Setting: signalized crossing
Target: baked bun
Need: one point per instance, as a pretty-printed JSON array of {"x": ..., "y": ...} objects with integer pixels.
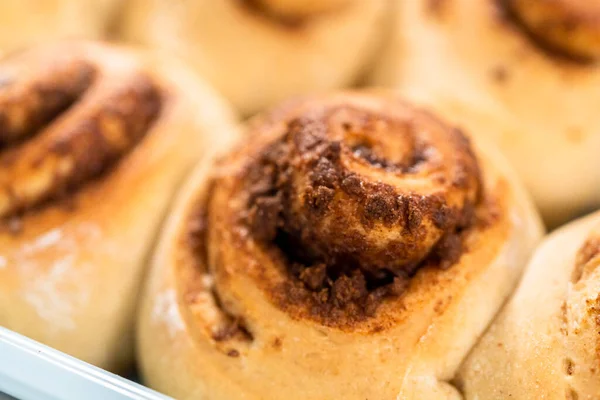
[
  {"x": 524, "y": 72},
  {"x": 544, "y": 344},
  {"x": 94, "y": 141},
  {"x": 352, "y": 247},
  {"x": 28, "y": 22},
  {"x": 258, "y": 52}
]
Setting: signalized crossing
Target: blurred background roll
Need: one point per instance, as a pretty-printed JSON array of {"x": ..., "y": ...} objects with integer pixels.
[
  {"x": 95, "y": 139},
  {"x": 524, "y": 72},
  {"x": 27, "y": 22},
  {"x": 258, "y": 52}
]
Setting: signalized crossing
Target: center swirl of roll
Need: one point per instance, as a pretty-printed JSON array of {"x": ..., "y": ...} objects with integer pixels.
[{"x": 359, "y": 199}]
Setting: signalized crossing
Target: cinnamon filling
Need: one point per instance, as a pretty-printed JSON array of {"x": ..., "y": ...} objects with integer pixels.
[
  {"x": 61, "y": 129},
  {"x": 285, "y": 21},
  {"x": 584, "y": 262},
  {"x": 291, "y": 14},
  {"x": 329, "y": 196},
  {"x": 569, "y": 29},
  {"x": 25, "y": 107},
  {"x": 229, "y": 326}
]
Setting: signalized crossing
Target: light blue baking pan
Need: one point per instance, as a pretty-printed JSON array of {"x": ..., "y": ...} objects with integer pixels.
[{"x": 32, "y": 371}]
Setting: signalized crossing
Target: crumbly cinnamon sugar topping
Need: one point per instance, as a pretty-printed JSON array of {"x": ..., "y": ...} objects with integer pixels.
[{"x": 350, "y": 237}]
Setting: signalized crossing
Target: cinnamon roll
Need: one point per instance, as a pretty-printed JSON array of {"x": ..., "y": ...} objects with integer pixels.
[
  {"x": 27, "y": 22},
  {"x": 94, "y": 140},
  {"x": 544, "y": 344},
  {"x": 524, "y": 72},
  {"x": 352, "y": 247},
  {"x": 258, "y": 52}
]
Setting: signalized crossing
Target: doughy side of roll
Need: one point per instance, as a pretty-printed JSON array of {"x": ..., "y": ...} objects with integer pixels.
[
  {"x": 95, "y": 140},
  {"x": 352, "y": 247},
  {"x": 260, "y": 52},
  {"x": 524, "y": 73},
  {"x": 544, "y": 344}
]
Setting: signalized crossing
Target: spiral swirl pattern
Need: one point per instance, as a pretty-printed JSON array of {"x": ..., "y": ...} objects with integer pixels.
[
  {"x": 344, "y": 201},
  {"x": 65, "y": 123}
]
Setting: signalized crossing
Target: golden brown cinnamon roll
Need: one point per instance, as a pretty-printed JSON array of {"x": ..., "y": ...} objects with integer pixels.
[
  {"x": 353, "y": 247},
  {"x": 544, "y": 344},
  {"x": 525, "y": 73},
  {"x": 258, "y": 52},
  {"x": 26, "y": 22},
  {"x": 94, "y": 140}
]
